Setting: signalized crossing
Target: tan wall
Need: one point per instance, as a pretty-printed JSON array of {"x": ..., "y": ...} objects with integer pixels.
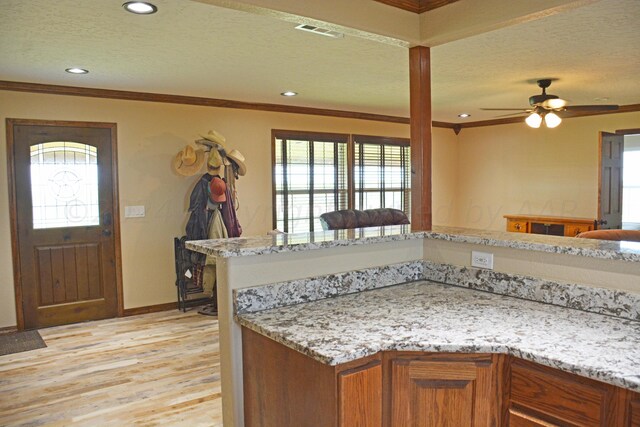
[
  {"x": 596, "y": 272},
  {"x": 513, "y": 169},
  {"x": 149, "y": 135}
]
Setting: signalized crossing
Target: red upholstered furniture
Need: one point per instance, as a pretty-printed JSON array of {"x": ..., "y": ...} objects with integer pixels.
[
  {"x": 351, "y": 218},
  {"x": 627, "y": 235}
]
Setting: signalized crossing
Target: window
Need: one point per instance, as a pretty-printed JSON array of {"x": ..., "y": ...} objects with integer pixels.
[
  {"x": 382, "y": 173},
  {"x": 314, "y": 173},
  {"x": 64, "y": 184},
  {"x": 631, "y": 187},
  {"x": 310, "y": 178}
]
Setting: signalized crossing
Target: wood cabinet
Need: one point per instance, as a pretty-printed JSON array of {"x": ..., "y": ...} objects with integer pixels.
[
  {"x": 438, "y": 390},
  {"x": 284, "y": 388},
  {"x": 541, "y": 396},
  {"x": 552, "y": 225},
  {"x": 633, "y": 410},
  {"x": 360, "y": 396}
]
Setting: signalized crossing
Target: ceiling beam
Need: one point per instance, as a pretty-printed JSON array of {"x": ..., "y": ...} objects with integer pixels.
[
  {"x": 380, "y": 23},
  {"x": 402, "y": 25},
  {"x": 467, "y": 18}
]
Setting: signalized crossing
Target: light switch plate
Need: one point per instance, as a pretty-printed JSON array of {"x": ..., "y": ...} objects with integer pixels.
[
  {"x": 482, "y": 260},
  {"x": 134, "y": 211}
]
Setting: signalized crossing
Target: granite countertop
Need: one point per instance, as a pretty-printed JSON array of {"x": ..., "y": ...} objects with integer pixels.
[
  {"x": 259, "y": 245},
  {"x": 432, "y": 317}
]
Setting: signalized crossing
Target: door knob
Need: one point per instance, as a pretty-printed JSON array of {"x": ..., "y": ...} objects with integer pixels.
[{"x": 106, "y": 232}]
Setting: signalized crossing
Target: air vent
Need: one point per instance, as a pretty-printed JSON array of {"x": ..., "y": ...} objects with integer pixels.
[{"x": 320, "y": 31}]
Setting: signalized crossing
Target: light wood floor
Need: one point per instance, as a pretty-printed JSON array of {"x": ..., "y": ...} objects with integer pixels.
[{"x": 147, "y": 370}]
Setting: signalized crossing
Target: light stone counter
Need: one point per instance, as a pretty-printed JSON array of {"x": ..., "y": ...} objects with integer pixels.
[
  {"x": 432, "y": 317},
  {"x": 249, "y": 246},
  {"x": 326, "y": 264}
]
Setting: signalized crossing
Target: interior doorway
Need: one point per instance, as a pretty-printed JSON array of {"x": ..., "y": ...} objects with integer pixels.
[
  {"x": 64, "y": 221},
  {"x": 619, "y": 180}
]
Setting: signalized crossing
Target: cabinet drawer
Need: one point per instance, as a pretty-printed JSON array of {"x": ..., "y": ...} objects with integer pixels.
[
  {"x": 519, "y": 419},
  {"x": 517, "y": 226},
  {"x": 558, "y": 396},
  {"x": 574, "y": 230}
]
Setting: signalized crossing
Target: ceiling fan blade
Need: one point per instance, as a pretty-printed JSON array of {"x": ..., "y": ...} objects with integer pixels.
[
  {"x": 554, "y": 103},
  {"x": 521, "y": 113},
  {"x": 505, "y": 109},
  {"x": 577, "y": 108}
]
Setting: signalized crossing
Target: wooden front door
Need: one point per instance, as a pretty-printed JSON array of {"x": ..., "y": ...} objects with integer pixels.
[
  {"x": 64, "y": 221},
  {"x": 610, "y": 181}
]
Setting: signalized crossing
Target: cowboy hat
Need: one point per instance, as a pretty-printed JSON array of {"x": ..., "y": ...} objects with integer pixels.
[
  {"x": 188, "y": 161},
  {"x": 236, "y": 157},
  {"x": 215, "y": 160},
  {"x": 214, "y": 137}
]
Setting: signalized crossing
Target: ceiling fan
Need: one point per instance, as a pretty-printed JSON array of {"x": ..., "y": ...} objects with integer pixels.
[{"x": 550, "y": 108}]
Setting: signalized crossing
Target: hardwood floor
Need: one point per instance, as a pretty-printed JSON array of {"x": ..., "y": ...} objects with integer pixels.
[{"x": 153, "y": 369}]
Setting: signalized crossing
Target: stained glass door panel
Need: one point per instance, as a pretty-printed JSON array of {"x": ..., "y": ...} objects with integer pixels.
[{"x": 64, "y": 184}]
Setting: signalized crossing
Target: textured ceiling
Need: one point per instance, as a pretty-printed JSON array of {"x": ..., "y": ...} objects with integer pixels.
[{"x": 191, "y": 48}]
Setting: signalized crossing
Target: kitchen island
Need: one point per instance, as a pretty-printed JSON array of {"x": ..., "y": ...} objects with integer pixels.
[
  {"x": 432, "y": 341},
  {"x": 271, "y": 272}
]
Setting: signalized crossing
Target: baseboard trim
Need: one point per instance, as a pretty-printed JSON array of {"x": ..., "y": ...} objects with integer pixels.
[
  {"x": 150, "y": 309},
  {"x": 8, "y": 329}
]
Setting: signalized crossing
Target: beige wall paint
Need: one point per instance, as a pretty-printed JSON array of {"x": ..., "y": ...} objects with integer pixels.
[
  {"x": 513, "y": 169},
  {"x": 444, "y": 171},
  {"x": 149, "y": 135},
  {"x": 595, "y": 272}
]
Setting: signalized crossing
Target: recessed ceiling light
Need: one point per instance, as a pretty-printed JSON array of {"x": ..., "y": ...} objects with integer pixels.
[
  {"x": 75, "y": 70},
  {"x": 289, "y": 93},
  {"x": 140, "y": 7},
  {"x": 464, "y": 115}
]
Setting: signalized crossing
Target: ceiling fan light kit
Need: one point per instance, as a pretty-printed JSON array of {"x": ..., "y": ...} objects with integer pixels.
[
  {"x": 550, "y": 108},
  {"x": 534, "y": 120},
  {"x": 552, "y": 120}
]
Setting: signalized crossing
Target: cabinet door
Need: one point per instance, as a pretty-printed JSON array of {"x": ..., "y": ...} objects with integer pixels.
[
  {"x": 442, "y": 393},
  {"x": 360, "y": 396},
  {"x": 633, "y": 418}
]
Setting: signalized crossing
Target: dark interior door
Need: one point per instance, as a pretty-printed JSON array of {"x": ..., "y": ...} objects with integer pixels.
[
  {"x": 64, "y": 214},
  {"x": 610, "y": 183}
]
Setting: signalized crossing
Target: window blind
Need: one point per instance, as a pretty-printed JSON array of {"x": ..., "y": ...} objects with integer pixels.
[
  {"x": 310, "y": 178},
  {"x": 382, "y": 173}
]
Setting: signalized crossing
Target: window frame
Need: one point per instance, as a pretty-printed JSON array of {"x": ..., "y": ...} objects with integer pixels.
[
  {"x": 305, "y": 136},
  {"x": 382, "y": 141},
  {"x": 351, "y": 141}
]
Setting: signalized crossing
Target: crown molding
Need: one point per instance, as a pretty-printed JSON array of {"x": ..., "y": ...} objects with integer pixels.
[
  {"x": 191, "y": 100},
  {"x": 225, "y": 103}
]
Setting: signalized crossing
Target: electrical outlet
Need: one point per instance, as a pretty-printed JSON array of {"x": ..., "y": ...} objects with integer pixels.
[{"x": 482, "y": 260}]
